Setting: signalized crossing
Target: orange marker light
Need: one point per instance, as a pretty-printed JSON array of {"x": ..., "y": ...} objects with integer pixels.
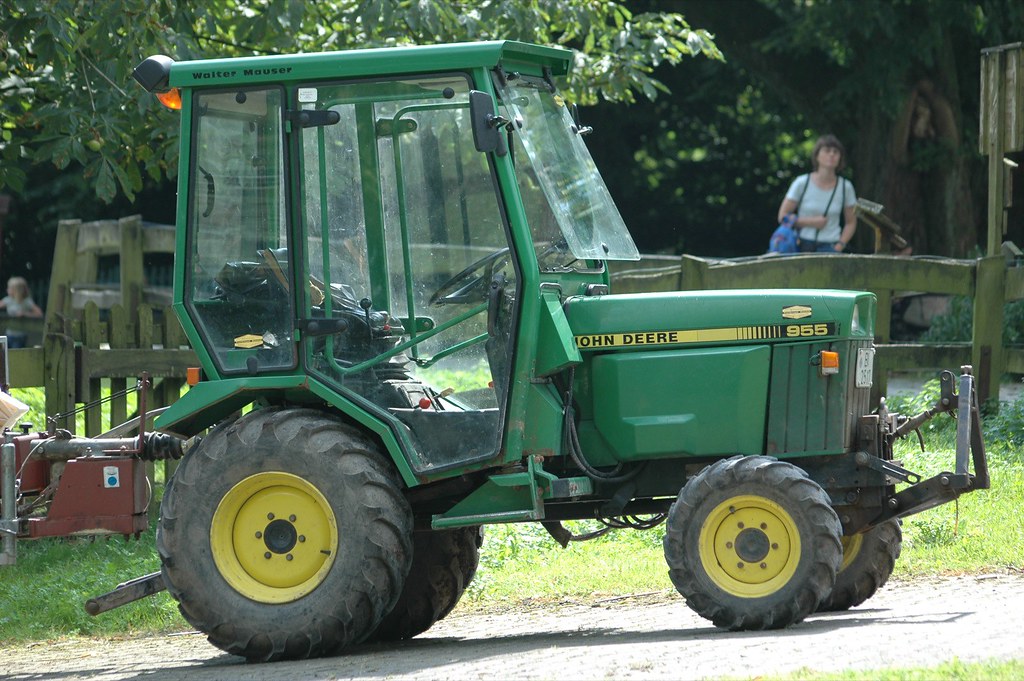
[
  {"x": 192, "y": 376},
  {"x": 171, "y": 99},
  {"x": 829, "y": 363}
]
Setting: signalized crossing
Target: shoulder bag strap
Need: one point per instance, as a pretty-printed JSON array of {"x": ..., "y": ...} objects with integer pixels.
[
  {"x": 832, "y": 196},
  {"x": 802, "y": 192},
  {"x": 842, "y": 205}
]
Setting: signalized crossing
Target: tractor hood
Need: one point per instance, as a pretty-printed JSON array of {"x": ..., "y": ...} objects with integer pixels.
[{"x": 718, "y": 317}]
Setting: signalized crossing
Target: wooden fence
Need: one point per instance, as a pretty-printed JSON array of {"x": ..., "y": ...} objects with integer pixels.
[
  {"x": 989, "y": 281},
  {"x": 79, "y": 355},
  {"x": 97, "y": 336}
]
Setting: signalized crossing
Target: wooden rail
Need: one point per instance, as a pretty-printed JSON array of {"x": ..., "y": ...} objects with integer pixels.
[{"x": 990, "y": 281}]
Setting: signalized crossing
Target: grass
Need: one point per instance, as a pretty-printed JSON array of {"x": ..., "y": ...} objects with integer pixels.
[
  {"x": 35, "y": 398},
  {"x": 954, "y": 670},
  {"x": 41, "y": 597}
]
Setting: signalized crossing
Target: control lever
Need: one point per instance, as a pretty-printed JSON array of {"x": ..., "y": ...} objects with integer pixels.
[{"x": 366, "y": 304}]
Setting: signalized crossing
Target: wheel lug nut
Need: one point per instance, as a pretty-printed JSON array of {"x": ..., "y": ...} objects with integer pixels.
[
  {"x": 739, "y": 565},
  {"x": 270, "y": 516},
  {"x": 764, "y": 526},
  {"x": 292, "y": 517},
  {"x": 302, "y": 537},
  {"x": 267, "y": 555},
  {"x": 259, "y": 535},
  {"x": 288, "y": 557},
  {"x": 739, "y": 525},
  {"x": 775, "y": 547},
  {"x": 764, "y": 566}
]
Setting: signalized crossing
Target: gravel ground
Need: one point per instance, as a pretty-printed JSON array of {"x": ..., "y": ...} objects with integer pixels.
[{"x": 646, "y": 636}]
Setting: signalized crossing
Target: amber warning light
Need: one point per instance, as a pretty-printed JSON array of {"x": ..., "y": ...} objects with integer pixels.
[
  {"x": 171, "y": 99},
  {"x": 829, "y": 363}
]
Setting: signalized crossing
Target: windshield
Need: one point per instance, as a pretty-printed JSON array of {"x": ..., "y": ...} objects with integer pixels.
[{"x": 566, "y": 200}]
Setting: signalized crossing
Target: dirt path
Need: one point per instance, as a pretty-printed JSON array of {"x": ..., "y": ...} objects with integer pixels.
[{"x": 656, "y": 636}]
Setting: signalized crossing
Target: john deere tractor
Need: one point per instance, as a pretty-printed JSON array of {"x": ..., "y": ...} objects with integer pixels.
[{"x": 393, "y": 265}]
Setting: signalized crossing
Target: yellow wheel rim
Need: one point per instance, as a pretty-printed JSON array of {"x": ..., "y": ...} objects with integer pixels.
[
  {"x": 274, "y": 537},
  {"x": 749, "y": 546},
  {"x": 851, "y": 547}
]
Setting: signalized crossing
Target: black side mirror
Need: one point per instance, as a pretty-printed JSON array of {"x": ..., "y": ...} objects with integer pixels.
[{"x": 486, "y": 124}]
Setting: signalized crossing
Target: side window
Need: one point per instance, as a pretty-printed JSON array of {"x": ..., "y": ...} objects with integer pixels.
[{"x": 237, "y": 290}]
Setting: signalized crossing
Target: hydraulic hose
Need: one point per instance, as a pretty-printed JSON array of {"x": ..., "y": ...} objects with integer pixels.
[{"x": 571, "y": 444}]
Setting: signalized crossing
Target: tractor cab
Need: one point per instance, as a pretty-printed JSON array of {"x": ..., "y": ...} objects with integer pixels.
[{"x": 356, "y": 231}]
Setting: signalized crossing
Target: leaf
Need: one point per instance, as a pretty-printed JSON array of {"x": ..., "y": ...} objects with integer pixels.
[{"x": 106, "y": 189}]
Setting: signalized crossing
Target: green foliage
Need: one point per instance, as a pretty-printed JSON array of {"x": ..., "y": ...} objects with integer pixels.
[
  {"x": 941, "y": 429},
  {"x": 67, "y": 98},
  {"x": 808, "y": 68},
  {"x": 1004, "y": 431},
  {"x": 955, "y": 325},
  {"x": 1003, "y": 428}
]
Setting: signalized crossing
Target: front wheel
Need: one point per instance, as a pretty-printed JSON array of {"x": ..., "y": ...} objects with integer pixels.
[
  {"x": 868, "y": 561},
  {"x": 284, "y": 535},
  {"x": 753, "y": 543}
]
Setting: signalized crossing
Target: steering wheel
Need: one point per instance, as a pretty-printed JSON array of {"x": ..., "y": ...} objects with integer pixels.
[{"x": 469, "y": 286}]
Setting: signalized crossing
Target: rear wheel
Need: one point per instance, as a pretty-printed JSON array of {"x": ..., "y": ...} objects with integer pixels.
[
  {"x": 443, "y": 565},
  {"x": 284, "y": 535},
  {"x": 753, "y": 543},
  {"x": 868, "y": 561}
]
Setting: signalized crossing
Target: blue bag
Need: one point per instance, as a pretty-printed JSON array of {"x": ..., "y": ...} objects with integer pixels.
[{"x": 784, "y": 239}]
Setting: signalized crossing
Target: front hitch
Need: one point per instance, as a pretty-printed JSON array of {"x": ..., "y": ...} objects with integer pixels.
[{"x": 970, "y": 448}]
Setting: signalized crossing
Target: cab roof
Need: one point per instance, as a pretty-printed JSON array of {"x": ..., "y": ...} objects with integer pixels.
[{"x": 160, "y": 72}]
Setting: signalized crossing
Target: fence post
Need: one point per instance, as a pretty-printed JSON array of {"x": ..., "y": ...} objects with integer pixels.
[
  {"x": 693, "y": 273},
  {"x": 120, "y": 335},
  {"x": 1002, "y": 129},
  {"x": 132, "y": 274},
  {"x": 987, "y": 354},
  {"x": 92, "y": 388},
  {"x": 65, "y": 248},
  {"x": 173, "y": 338},
  {"x": 59, "y": 375}
]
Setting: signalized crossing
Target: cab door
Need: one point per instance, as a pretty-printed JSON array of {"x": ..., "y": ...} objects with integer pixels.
[{"x": 411, "y": 296}]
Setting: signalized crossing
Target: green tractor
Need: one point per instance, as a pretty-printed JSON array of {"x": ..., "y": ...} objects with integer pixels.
[{"x": 393, "y": 266}]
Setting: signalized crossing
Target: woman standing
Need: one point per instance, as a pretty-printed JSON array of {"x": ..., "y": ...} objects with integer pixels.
[{"x": 823, "y": 201}]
